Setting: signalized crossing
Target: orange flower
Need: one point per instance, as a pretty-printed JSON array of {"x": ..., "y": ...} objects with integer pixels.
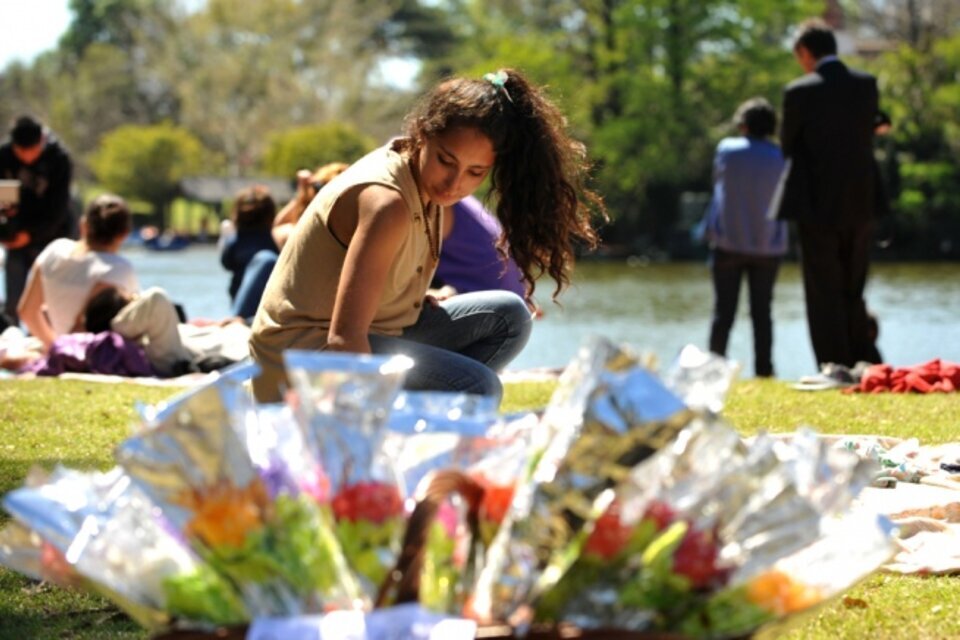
[
  {"x": 778, "y": 593},
  {"x": 225, "y": 514}
]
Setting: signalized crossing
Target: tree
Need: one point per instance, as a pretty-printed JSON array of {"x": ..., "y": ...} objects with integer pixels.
[
  {"x": 242, "y": 70},
  {"x": 147, "y": 163},
  {"x": 918, "y": 87},
  {"x": 649, "y": 84},
  {"x": 310, "y": 146}
]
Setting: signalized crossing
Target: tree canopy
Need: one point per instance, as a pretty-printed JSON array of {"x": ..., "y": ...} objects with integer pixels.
[{"x": 649, "y": 85}]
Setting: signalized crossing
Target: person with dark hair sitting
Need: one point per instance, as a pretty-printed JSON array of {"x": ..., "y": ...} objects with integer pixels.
[
  {"x": 253, "y": 213},
  {"x": 743, "y": 240},
  {"x": 259, "y": 232},
  {"x": 66, "y": 271}
]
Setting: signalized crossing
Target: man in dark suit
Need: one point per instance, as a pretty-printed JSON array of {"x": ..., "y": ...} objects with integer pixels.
[{"x": 831, "y": 191}]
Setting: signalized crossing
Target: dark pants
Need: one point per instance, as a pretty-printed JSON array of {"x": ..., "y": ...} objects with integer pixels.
[
  {"x": 728, "y": 269},
  {"x": 835, "y": 261},
  {"x": 16, "y": 269}
]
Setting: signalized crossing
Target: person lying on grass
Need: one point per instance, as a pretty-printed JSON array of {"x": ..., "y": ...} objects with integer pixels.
[{"x": 171, "y": 346}]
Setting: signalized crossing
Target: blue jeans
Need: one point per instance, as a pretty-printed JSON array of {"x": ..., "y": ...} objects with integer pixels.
[
  {"x": 728, "y": 269},
  {"x": 462, "y": 343},
  {"x": 254, "y": 281}
]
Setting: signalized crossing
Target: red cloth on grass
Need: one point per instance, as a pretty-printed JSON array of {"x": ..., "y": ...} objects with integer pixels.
[{"x": 930, "y": 377}]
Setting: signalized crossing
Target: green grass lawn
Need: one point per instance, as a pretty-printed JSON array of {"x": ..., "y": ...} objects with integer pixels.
[{"x": 48, "y": 421}]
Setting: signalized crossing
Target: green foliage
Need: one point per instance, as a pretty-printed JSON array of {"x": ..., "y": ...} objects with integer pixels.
[
  {"x": 147, "y": 162},
  {"x": 919, "y": 89},
  {"x": 312, "y": 146},
  {"x": 648, "y": 85}
]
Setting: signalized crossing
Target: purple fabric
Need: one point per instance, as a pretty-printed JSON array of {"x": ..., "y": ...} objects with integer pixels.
[
  {"x": 106, "y": 353},
  {"x": 469, "y": 260}
]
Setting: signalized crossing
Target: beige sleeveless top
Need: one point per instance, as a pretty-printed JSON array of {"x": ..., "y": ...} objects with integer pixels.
[{"x": 297, "y": 304}]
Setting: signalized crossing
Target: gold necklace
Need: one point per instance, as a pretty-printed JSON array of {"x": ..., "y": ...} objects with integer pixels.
[{"x": 433, "y": 240}]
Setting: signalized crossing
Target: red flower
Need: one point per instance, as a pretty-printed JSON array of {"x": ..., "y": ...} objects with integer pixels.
[
  {"x": 496, "y": 500},
  {"x": 661, "y": 513},
  {"x": 371, "y": 501},
  {"x": 696, "y": 558},
  {"x": 609, "y": 535}
]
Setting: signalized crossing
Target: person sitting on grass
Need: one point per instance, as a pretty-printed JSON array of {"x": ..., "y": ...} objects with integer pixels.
[
  {"x": 252, "y": 253},
  {"x": 66, "y": 271},
  {"x": 308, "y": 185},
  {"x": 172, "y": 347},
  {"x": 243, "y": 255},
  {"x": 354, "y": 276}
]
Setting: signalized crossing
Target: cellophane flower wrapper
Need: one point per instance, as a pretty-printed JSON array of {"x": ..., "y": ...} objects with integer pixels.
[
  {"x": 443, "y": 412},
  {"x": 24, "y": 551},
  {"x": 343, "y": 402},
  {"x": 712, "y": 538},
  {"x": 268, "y": 537},
  {"x": 114, "y": 542},
  {"x": 607, "y": 415},
  {"x": 451, "y": 433}
]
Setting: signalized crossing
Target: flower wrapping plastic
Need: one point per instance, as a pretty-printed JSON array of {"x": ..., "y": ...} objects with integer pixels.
[
  {"x": 270, "y": 539},
  {"x": 343, "y": 403},
  {"x": 91, "y": 526},
  {"x": 607, "y": 415}
]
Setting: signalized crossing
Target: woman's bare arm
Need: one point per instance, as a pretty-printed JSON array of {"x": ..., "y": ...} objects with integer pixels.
[
  {"x": 383, "y": 221},
  {"x": 31, "y": 309}
]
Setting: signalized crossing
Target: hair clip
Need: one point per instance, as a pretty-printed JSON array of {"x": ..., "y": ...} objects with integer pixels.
[{"x": 499, "y": 80}]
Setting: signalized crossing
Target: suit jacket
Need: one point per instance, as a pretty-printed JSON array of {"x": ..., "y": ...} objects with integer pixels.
[{"x": 827, "y": 134}]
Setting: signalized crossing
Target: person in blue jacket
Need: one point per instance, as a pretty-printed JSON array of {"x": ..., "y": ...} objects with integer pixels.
[{"x": 744, "y": 241}]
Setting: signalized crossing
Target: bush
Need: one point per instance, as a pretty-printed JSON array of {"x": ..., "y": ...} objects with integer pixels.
[{"x": 314, "y": 145}]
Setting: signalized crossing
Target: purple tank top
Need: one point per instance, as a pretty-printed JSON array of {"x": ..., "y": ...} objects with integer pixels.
[{"x": 469, "y": 259}]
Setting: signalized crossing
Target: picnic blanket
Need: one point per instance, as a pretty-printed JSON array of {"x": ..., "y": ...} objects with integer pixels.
[{"x": 924, "y": 501}]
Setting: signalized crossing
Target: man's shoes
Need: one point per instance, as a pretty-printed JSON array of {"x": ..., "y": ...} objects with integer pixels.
[{"x": 831, "y": 376}]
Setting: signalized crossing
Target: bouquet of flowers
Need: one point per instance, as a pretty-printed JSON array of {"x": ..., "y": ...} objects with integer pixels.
[
  {"x": 258, "y": 526},
  {"x": 607, "y": 415},
  {"x": 489, "y": 453},
  {"x": 343, "y": 402},
  {"x": 711, "y": 538},
  {"x": 99, "y": 530}
]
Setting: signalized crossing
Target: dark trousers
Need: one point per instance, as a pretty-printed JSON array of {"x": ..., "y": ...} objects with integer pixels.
[
  {"x": 835, "y": 261},
  {"x": 16, "y": 270},
  {"x": 728, "y": 269}
]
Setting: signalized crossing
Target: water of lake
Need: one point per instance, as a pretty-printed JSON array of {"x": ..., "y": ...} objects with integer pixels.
[{"x": 656, "y": 307}]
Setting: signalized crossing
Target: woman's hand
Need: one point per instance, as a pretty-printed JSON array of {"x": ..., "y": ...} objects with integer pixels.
[{"x": 435, "y": 296}]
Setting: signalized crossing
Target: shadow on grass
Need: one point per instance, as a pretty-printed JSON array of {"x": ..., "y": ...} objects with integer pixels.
[{"x": 30, "y": 609}]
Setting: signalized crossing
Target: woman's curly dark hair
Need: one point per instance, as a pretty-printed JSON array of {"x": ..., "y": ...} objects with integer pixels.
[{"x": 539, "y": 173}]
